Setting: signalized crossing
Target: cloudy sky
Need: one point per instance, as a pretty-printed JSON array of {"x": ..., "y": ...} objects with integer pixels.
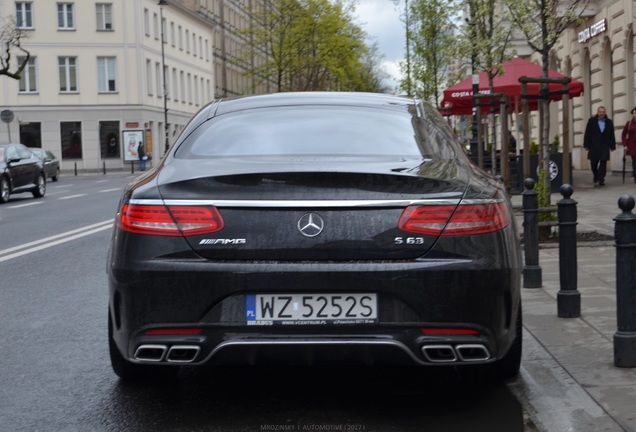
[{"x": 381, "y": 20}]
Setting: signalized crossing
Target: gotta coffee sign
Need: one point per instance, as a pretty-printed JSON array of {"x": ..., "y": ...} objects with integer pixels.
[{"x": 593, "y": 30}]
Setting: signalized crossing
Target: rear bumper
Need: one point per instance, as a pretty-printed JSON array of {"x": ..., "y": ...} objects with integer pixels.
[{"x": 412, "y": 295}]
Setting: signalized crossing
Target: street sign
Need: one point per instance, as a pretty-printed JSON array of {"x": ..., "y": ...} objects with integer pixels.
[{"x": 6, "y": 116}]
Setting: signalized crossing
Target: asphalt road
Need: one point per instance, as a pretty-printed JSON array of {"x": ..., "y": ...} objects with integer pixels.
[{"x": 56, "y": 376}]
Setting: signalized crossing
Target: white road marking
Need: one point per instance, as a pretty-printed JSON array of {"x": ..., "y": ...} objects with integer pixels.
[
  {"x": 25, "y": 205},
  {"x": 37, "y": 245},
  {"x": 72, "y": 196}
]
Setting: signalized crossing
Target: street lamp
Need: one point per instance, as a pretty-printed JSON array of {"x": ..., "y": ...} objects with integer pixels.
[{"x": 161, "y": 4}]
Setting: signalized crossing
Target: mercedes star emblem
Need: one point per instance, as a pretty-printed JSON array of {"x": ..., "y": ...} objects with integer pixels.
[{"x": 310, "y": 225}]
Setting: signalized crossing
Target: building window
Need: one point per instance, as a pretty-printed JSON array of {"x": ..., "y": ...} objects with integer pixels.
[
  {"x": 159, "y": 79},
  {"x": 175, "y": 87},
  {"x": 28, "y": 82},
  {"x": 71, "y": 139},
  {"x": 146, "y": 22},
  {"x": 187, "y": 40},
  {"x": 31, "y": 133},
  {"x": 65, "y": 19},
  {"x": 104, "y": 13},
  {"x": 109, "y": 139},
  {"x": 149, "y": 77},
  {"x": 24, "y": 14},
  {"x": 166, "y": 84},
  {"x": 172, "y": 34},
  {"x": 68, "y": 74},
  {"x": 155, "y": 25},
  {"x": 180, "y": 38},
  {"x": 106, "y": 76}
]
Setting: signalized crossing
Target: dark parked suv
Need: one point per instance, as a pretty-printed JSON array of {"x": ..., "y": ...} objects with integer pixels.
[{"x": 20, "y": 171}]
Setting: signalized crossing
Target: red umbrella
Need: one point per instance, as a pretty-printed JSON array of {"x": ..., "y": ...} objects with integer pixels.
[{"x": 458, "y": 99}]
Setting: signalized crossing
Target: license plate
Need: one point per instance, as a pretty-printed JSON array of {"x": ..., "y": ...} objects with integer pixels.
[{"x": 311, "y": 309}]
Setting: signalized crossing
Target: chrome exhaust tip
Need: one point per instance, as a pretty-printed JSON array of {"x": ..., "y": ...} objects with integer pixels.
[
  {"x": 439, "y": 353},
  {"x": 182, "y": 353},
  {"x": 150, "y": 353},
  {"x": 474, "y": 352}
]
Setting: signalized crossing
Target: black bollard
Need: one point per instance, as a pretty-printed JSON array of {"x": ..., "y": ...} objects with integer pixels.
[
  {"x": 568, "y": 297},
  {"x": 532, "y": 269},
  {"x": 104, "y": 166},
  {"x": 75, "y": 168},
  {"x": 625, "y": 236},
  {"x": 132, "y": 167}
]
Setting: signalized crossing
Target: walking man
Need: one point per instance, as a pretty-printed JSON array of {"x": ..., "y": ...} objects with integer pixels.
[{"x": 599, "y": 140}]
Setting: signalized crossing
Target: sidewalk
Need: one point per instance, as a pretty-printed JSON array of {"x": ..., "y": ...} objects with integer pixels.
[{"x": 571, "y": 360}]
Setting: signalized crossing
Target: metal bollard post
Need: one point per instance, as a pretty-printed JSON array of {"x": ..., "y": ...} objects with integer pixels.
[
  {"x": 104, "y": 166},
  {"x": 76, "y": 169},
  {"x": 132, "y": 167},
  {"x": 532, "y": 269},
  {"x": 625, "y": 236},
  {"x": 568, "y": 297}
]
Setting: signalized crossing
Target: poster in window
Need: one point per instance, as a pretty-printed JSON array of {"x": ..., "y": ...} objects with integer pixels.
[{"x": 132, "y": 139}]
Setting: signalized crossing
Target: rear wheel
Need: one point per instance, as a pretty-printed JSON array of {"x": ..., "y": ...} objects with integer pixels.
[
  {"x": 132, "y": 371},
  {"x": 40, "y": 186},
  {"x": 4, "y": 190},
  {"x": 509, "y": 365}
]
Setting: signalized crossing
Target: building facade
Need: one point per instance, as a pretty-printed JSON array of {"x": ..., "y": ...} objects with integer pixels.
[
  {"x": 600, "y": 53},
  {"x": 94, "y": 85}
]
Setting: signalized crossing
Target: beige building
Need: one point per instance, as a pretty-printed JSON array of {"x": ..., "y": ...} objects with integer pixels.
[
  {"x": 600, "y": 53},
  {"x": 94, "y": 83}
]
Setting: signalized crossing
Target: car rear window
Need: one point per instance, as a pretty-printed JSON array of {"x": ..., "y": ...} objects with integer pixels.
[{"x": 318, "y": 131}]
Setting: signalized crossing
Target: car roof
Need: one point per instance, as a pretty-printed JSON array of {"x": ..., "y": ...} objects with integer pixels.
[{"x": 223, "y": 106}]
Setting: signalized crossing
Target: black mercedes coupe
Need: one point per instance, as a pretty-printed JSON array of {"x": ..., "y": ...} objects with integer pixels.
[{"x": 315, "y": 228}]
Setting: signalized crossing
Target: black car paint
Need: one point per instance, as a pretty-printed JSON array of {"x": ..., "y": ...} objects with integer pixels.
[
  {"x": 157, "y": 282},
  {"x": 21, "y": 173}
]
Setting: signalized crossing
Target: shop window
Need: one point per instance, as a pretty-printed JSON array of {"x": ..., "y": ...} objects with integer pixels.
[
  {"x": 31, "y": 134},
  {"x": 109, "y": 139},
  {"x": 71, "y": 139}
]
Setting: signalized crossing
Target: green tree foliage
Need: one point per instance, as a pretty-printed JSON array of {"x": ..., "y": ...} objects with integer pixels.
[
  {"x": 11, "y": 38},
  {"x": 309, "y": 45},
  {"x": 431, "y": 33},
  {"x": 486, "y": 40}
]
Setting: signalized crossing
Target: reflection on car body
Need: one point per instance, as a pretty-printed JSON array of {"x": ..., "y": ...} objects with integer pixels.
[
  {"x": 366, "y": 237},
  {"x": 20, "y": 171}
]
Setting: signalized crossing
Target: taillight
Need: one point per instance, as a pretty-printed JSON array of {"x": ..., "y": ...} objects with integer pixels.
[
  {"x": 170, "y": 220},
  {"x": 448, "y": 220}
]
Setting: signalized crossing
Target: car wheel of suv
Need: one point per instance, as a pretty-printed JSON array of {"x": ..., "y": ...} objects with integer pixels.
[
  {"x": 56, "y": 177},
  {"x": 132, "y": 371},
  {"x": 40, "y": 188},
  {"x": 4, "y": 190}
]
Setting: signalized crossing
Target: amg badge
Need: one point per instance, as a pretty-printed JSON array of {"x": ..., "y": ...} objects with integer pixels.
[{"x": 223, "y": 241}]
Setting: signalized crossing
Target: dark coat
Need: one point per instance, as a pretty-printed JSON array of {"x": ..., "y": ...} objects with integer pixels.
[
  {"x": 628, "y": 136},
  {"x": 599, "y": 144}
]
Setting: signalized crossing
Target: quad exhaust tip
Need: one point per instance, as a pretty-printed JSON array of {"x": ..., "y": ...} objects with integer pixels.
[
  {"x": 151, "y": 353},
  {"x": 173, "y": 354},
  {"x": 450, "y": 354},
  {"x": 182, "y": 353}
]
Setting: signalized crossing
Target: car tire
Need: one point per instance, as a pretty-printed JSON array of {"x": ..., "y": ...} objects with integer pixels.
[
  {"x": 40, "y": 187},
  {"x": 131, "y": 371},
  {"x": 56, "y": 177},
  {"x": 508, "y": 366},
  {"x": 4, "y": 190}
]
